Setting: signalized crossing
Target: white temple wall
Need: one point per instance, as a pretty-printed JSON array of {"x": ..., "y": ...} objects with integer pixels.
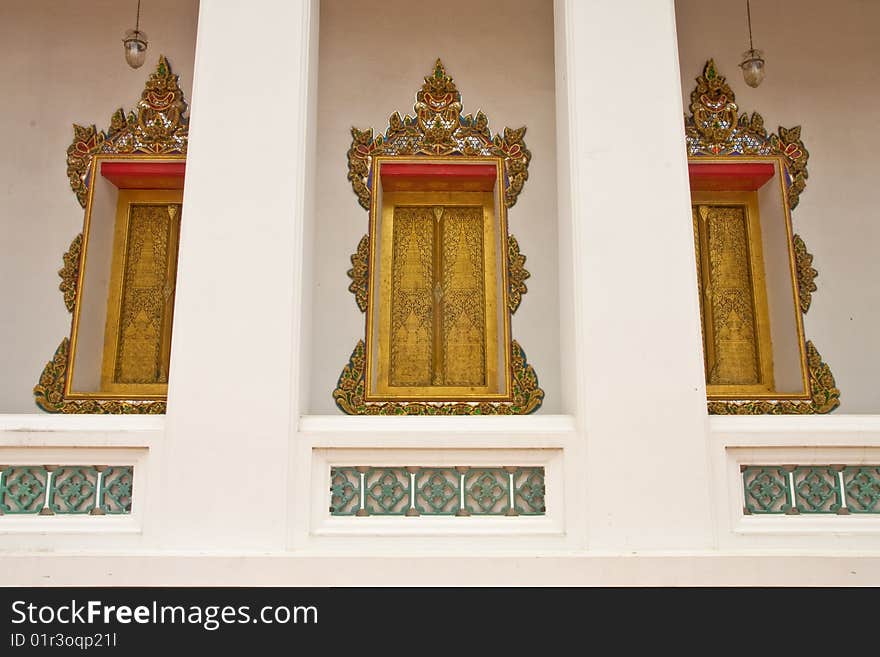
[
  {"x": 230, "y": 485},
  {"x": 822, "y": 75}
]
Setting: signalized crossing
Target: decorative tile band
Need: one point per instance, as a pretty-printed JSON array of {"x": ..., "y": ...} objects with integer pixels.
[
  {"x": 436, "y": 491},
  {"x": 811, "y": 489},
  {"x": 49, "y": 490}
]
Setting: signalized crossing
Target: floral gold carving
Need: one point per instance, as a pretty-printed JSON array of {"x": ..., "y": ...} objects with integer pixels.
[
  {"x": 438, "y": 128},
  {"x": 516, "y": 274},
  {"x": 158, "y": 127},
  {"x": 359, "y": 273},
  {"x": 49, "y": 393},
  {"x": 715, "y": 128},
  {"x": 70, "y": 272},
  {"x": 349, "y": 393},
  {"x": 825, "y": 396},
  {"x": 805, "y": 273}
]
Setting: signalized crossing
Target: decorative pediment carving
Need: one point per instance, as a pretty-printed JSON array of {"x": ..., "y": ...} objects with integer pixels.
[
  {"x": 715, "y": 127},
  {"x": 158, "y": 126},
  {"x": 438, "y": 128}
]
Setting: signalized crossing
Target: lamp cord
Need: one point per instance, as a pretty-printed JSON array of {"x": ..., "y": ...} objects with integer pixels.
[
  {"x": 748, "y": 13},
  {"x": 137, "y": 20}
]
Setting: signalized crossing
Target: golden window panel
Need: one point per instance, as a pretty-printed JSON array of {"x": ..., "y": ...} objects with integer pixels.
[
  {"x": 118, "y": 275},
  {"x": 755, "y": 275},
  {"x": 733, "y": 297},
  {"x": 438, "y": 276},
  {"x": 137, "y": 342},
  {"x": 438, "y": 308}
]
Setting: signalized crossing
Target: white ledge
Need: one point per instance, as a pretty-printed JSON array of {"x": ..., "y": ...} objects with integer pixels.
[
  {"x": 506, "y": 424},
  {"x": 62, "y": 422},
  {"x": 802, "y": 424}
]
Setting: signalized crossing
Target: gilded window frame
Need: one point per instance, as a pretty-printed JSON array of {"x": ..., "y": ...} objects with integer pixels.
[
  {"x": 715, "y": 131},
  {"x": 157, "y": 129},
  {"x": 438, "y": 132}
]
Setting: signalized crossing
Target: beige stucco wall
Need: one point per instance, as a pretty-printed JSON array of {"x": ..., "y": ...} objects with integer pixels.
[
  {"x": 373, "y": 57},
  {"x": 61, "y": 63},
  {"x": 822, "y": 74}
]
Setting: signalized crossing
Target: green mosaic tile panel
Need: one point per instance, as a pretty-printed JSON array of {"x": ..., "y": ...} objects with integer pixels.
[
  {"x": 817, "y": 489},
  {"x": 65, "y": 489},
  {"x": 386, "y": 491},
  {"x": 862, "y": 486},
  {"x": 766, "y": 489},
  {"x": 117, "y": 483},
  {"x": 438, "y": 491},
  {"x": 487, "y": 492},
  {"x": 73, "y": 490},
  {"x": 23, "y": 489},
  {"x": 812, "y": 489},
  {"x": 528, "y": 491},
  {"x": 345, "y": 491}
]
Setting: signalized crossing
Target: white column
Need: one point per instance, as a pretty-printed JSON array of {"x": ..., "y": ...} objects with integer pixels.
[
  {"x": 232, "y": 393},
  {"x": 632, "y": 322}
]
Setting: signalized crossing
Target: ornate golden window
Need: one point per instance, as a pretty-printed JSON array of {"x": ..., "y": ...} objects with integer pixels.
[
  {"x": 119, "y": 275},
  {"x": 438, "y": 276},
  {"x": 754, "y": 273}
]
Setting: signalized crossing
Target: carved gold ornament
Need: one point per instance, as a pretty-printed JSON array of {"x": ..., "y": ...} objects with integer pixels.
[
  {"x": 714, "y": 129},
  {"x": 70, "y": 272},
  {"x": 437, "y": 314},
  {"x": 157, "y": 127},
  {"x": 359, "y": 273},
  {"x": 825, "y": 396},
  {"x": 516, "y": 274},
  {"x": 438, "y": 128},
  {"x": 349, "y": 393},
  {"x": 49, "y": 393},
  {"x": 806, "y": 275}
]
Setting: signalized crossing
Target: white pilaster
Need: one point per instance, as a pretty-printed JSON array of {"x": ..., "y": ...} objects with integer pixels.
[
  {"x": 631, "y": 324},
  {"x": 232, "y": 393}
]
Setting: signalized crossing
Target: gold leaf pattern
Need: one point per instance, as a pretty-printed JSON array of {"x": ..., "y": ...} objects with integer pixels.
[
  {"x": 734, "y": 333},
  {"x": 145, "y": 291},
  {"x": 412, "y": 298},
  {"x": 462, "y": 302}
]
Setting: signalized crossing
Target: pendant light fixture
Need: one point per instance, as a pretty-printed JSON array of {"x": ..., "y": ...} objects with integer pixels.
[
  {"x": 753, "y": 60},
  {"x": 135, "y": 43}
]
